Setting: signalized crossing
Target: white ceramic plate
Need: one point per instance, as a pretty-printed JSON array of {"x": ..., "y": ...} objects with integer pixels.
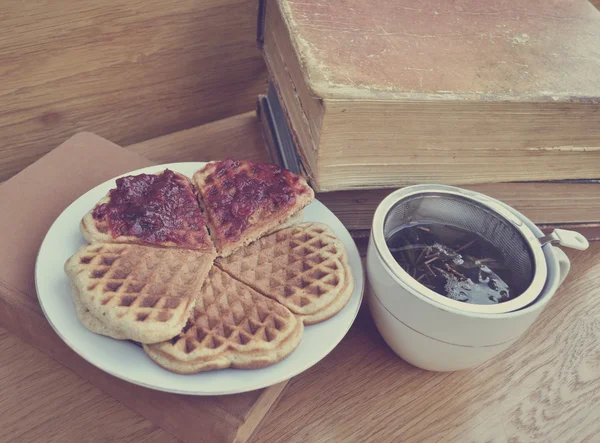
[{"x": 129, "y": 362}]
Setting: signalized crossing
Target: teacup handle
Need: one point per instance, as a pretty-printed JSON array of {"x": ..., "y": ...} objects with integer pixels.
[{"x": 564, "y": 264}]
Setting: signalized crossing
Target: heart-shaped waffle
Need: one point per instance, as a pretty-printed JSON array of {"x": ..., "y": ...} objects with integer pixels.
[
  {"x": 245, "y": 200},
  {"x": 92, "y": 323},
  {"x": 143, "y": 292},
  {"x": 231, "y": 326},
  {"x": 149, "y": 209},
  {"x": 303, "y": 267}
]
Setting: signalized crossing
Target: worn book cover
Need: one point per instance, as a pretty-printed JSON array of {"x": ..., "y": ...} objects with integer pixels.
[{"x": 397, "y": 92}]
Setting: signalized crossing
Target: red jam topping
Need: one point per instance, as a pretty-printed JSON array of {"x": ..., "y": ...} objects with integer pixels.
[
  {"x": 235, "y": 190},
  {"x": 154, "y": 208}
]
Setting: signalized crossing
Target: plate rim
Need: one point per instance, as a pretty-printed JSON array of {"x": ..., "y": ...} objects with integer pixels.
[{"x": 99, "y": 364}]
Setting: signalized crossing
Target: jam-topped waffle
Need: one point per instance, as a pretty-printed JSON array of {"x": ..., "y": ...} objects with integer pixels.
[
  {"x": 244, "y": 200},
  {"x": 152, "y": 209}
]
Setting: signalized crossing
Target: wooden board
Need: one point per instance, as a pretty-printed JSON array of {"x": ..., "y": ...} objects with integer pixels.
[
  {"x": 129, "y": 70},
  {"x": 31, "y": 201}
]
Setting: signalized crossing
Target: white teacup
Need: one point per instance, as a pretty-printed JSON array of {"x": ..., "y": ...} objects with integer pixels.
[{"x": 438, "y": 337}]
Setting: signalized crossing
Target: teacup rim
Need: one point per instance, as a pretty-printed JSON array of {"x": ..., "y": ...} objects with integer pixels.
[{"x": 549, "y": 289}]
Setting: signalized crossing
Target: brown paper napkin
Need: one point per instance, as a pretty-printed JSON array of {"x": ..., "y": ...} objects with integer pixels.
[{"x": 30, "y": 202}]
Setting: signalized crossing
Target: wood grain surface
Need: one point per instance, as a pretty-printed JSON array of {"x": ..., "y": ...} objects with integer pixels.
[
  {"x": 40, "y": 398},
  {"x": 77, "y": 65},
  {"x": 237, "y": 137},
  {"x": 544, "y": 388},
  {"x": 128, "y": 70}
]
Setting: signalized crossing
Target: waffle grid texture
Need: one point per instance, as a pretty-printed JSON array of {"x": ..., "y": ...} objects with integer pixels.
[{"x": 194, "y": 313}]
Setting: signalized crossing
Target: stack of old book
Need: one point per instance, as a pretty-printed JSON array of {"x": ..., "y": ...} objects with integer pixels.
[{"x": 367, "y": 97}]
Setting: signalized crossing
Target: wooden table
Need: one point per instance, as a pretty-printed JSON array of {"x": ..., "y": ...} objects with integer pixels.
[{"x": 544, "y": 388}]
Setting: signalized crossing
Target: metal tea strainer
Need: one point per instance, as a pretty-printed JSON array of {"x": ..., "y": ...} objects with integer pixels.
[{"x": 479, "y": 214}]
